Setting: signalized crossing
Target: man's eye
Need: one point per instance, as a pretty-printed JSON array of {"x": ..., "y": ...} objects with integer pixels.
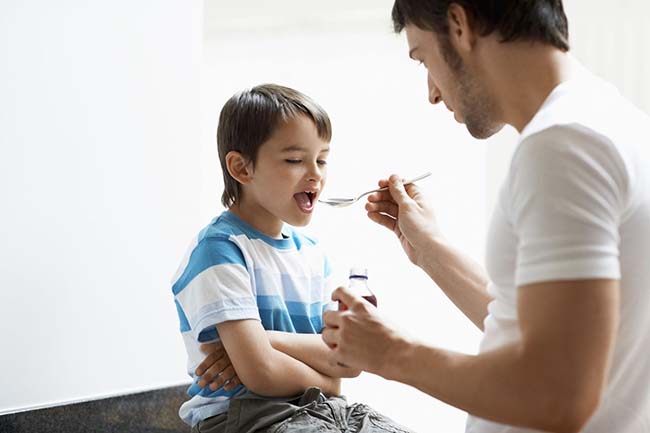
[{"x": 293, "y": 161}]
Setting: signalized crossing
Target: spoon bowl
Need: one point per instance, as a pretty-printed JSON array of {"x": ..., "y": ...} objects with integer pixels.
[{"x": 344, "y": 202}]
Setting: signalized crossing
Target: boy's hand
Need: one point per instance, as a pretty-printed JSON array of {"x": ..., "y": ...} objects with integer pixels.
[{"x": 216, "y": 369}]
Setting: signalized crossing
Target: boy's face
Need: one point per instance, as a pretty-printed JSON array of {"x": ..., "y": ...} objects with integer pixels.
[{"x": 287, "y": 177}]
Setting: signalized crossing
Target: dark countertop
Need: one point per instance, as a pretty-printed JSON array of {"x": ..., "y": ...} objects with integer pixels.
[{"x": 146, "y": 412}]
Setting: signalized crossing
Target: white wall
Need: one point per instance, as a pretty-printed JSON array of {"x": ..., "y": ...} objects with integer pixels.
[
  {"x": 99, "y": 133},
  {"x": 346, "y": 57}
]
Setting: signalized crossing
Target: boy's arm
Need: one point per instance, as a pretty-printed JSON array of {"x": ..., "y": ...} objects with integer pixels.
[
  {"x": 265, "y": 370},
  {"x": 310, "y": 349}
]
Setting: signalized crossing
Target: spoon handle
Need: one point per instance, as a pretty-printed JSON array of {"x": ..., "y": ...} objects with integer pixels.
[{"x": 408, "y": 182}]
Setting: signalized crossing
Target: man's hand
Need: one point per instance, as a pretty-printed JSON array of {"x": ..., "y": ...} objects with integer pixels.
[
  {"x": 358, "y": 336},
  {"x": 216, "y": 369},
  {"x": 404, "y": 211}
]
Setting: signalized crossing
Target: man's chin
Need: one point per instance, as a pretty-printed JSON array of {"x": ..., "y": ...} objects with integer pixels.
[{"x": 483, "y": 132}]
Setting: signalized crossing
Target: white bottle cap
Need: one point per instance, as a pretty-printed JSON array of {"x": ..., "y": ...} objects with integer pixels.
[{"x": 358, "y": 272}]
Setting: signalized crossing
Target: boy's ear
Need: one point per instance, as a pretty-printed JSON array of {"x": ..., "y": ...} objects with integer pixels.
[{"x": 238, "y": 167}]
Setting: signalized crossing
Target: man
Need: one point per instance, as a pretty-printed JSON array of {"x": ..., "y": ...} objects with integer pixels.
[{"x": 564, "y": 303}]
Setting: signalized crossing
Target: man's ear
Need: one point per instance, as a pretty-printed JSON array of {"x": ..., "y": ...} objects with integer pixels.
[
  {"x": 239, "y": 167},
  {"x": 461, "y": 31}
]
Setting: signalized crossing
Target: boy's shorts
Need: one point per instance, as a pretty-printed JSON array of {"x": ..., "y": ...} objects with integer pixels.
[{"x": 311, "y": 412}]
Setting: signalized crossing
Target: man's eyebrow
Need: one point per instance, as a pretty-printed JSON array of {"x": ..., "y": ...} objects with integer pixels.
[
  {"x": 297, "y": 148},
  {"x": 412, "y": 51}
]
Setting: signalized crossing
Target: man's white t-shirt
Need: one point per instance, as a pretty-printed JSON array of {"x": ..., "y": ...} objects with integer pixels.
[{"x": 576, "y": 205}]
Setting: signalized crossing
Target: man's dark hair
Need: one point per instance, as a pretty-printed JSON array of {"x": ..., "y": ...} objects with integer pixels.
[
  {"x": 250, "y": 117},
  {"x": 531, "y": 20}
]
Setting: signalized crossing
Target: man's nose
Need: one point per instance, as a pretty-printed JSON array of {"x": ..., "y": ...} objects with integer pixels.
[{"x": 434, "y": 93}]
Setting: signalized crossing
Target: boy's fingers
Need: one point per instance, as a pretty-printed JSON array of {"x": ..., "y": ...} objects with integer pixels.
[
  {"x": 214, "y": 371},
  {"x": 225, "y": 377},
  {"x": 234, "y": 383},
  {"x": 206, "y": 363},
  {"x": 215, "y": 346}
]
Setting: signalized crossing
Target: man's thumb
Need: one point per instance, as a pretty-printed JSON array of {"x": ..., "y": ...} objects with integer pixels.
[{"x": 397, "y": 190}]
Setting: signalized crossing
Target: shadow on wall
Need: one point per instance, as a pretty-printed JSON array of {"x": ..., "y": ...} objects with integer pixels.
[{"x": 146, "y": 412}]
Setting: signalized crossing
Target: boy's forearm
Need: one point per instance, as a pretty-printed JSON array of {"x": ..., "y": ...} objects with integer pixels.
[
  {"x": 310, "y": 349},
  {"x": 285, "y": 376}
]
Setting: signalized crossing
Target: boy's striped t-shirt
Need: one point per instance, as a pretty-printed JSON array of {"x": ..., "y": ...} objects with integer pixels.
[{"x": 233, "y": 272}]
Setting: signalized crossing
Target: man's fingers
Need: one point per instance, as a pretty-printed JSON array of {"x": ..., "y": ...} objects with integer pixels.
[
  {"x": 380, "y": 196},
  {"x": 331, "y": 319},
  {"x": 396, "y": 188},
  {"x": 329, "y": 334},
  {"x": 383, "y": 183},
  {"x": 330, "y": 337},
  {"x": 344, "y": 295},
  {"x": 385, "y": 207},
  {"x": 383, "y": 220}
]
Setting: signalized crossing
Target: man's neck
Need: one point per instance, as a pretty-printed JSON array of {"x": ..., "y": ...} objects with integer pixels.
[{"x": 521, "y": 76}]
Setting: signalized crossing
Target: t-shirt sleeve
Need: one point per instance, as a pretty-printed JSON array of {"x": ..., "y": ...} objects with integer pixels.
[
  {"x": 567, "y": 192},
  {"x": 214, "y": 288}
]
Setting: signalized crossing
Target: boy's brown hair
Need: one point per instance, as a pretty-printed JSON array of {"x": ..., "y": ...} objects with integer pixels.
[{"x": 250, "y": 117}]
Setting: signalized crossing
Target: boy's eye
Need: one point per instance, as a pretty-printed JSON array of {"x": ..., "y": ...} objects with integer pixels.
[
  {"x": 321, "y": 162},
  {"x": 293, "y": 161}
]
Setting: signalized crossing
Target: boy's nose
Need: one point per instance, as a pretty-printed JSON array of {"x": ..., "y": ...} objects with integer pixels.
[{"x": 314, "y": 175}]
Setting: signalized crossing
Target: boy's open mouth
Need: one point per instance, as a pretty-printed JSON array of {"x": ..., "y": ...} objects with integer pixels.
[{"x": 305, "y": 200}]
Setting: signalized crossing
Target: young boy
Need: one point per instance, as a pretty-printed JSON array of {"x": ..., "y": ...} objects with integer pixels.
[{"x": 259, "y": 287}]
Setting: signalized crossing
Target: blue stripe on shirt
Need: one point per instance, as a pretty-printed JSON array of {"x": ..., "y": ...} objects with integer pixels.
[
  {"x": 185, "y": 324},
  {"x": 209, "y": 252},
  {"x": 279, "y": 315},
  {"x": 195, "y": 389},
  {"x": 328, "y": 268}
]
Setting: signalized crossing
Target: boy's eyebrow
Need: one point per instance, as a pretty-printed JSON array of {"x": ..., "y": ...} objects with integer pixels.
[{"x": 297, "y": 148}]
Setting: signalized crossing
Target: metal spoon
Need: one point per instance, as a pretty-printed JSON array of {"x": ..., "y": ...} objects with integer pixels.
[{"x": 343, "y": 202}]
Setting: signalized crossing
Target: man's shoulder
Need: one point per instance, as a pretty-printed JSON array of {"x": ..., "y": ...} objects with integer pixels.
[{"x": 587, "y": 103}]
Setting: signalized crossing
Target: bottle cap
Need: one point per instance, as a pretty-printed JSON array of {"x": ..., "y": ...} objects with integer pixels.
[{"x": 358, "y": 272}]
